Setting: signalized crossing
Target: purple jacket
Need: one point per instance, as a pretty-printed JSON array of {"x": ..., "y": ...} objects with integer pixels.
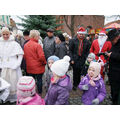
[
  {"x": 58, "y": 93},
  {"x": 98, "y": 91}
]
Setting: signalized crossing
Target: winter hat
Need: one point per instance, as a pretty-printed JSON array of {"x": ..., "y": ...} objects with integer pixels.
[
  {"x": 53, "y": 57},
  {"x": 91, "y": 55},
  {"x": 112, "y": 34},
  {"x": 81, "y": 31},
  {"x": 50, "y": 30},
  {"x": 5, "y": 29},
  {"x": 26, "y": 33},
  {"x": 60, "y": 67},
  {"x": 26, "y": 87},
  {"x": 102, "y": 32},
  {"x": 61, "y": 37},
  {"x": 66, "y": 35},
  {"x": 97, "y": 68}
]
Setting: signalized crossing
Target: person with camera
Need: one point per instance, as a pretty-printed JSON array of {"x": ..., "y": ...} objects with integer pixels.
[
  {"x": 114, "y": 65},
  {"x": 101, "y": 45}
]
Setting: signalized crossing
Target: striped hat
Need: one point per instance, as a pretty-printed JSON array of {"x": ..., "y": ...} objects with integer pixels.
[{"x": 26, "y": 87}]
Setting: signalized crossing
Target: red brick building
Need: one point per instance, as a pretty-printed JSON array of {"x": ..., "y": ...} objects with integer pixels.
[{"x": 74, "y": 21}]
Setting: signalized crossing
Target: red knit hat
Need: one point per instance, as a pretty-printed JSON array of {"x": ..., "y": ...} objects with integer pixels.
[{"x": 81, "y": 31}]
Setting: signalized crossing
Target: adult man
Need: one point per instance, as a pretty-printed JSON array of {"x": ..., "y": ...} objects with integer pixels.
[
  {"x": 26, "y": 38},
  {"x": 49, "y": 43},
  {"x": 101, "y": 45},
  {"x": 114, "y": 65},
  {"x": 79, "y": 49}
]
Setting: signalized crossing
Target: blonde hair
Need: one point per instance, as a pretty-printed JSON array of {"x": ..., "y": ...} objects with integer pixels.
[
  {"x": 20, "y": 33},
  {"x": 5, "y": 29},
  {"x": 34, "y": 33}
]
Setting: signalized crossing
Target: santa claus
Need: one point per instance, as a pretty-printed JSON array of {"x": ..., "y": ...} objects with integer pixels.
[{"x": 101, "y": 45}]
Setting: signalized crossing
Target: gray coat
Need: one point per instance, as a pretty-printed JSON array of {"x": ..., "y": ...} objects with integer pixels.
[
  {"x": 61, "y": 50},
  {"x": 49, "y": 46}
]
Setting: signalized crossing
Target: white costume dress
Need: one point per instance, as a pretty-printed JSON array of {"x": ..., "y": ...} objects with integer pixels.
[{"x": 11, "y": 55}]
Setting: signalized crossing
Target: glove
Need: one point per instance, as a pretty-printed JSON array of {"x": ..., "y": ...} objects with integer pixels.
[
  {"x": 85, "y": 87},
  {"x": 92, "y": 83},
  {"x": 95, "y": 101}
]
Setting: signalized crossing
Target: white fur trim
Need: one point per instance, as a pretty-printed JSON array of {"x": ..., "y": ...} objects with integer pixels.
[{"x": 81, "y": 32}]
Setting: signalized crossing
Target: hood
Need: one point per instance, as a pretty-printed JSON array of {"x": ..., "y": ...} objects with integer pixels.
[
  {"x": 11, "y": 38},
  {"x": 65, "y": 82},
  {"x": 94, "y": 79}
]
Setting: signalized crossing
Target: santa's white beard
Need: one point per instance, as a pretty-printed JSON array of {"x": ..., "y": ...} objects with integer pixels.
[{"x": 102, "y": 40}]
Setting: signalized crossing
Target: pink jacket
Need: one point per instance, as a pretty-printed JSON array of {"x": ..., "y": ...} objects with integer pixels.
[{"x": 35, "y": 100}]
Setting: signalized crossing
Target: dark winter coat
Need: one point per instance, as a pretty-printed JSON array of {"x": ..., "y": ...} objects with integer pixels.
[
  {"x": 114, "y": 63},
  {"x": 74, "y": 45},
  {"x": 61, "y": 50},
  {"x": 58, "y": 93},
  {"x": 85, "y": 68},
  {"x": 49, "y": 46},
  {"x": 98, "y": 91},
  {"x": 23, "y": 64}
]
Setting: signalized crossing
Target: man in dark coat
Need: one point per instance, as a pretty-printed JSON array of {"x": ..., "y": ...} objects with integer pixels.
[
  {"x": 114, "y": 65},
  {"x": 49, "y": 43},
  {"x": 26, "y": 38},
  {"x": 79, "y": 49}
]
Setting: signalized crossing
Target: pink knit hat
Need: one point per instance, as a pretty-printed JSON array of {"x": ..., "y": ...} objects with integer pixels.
[{"x": 26, "y": 87}]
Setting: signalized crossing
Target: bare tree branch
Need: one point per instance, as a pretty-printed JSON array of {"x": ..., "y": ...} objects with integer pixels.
[{"x": 66, "y": 22}]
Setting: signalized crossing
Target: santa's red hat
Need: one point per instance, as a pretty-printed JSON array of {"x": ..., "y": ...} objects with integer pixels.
[
  {"x": 102, "y": 32},
  {"x": 81, "y": 31}
]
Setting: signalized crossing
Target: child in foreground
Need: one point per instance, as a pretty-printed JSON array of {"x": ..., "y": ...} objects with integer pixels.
[
  {"x": 93, "y": 86},
  {"x": 60, "y": 86},
  {"x": 91, "y": 57},
  {"x": 49, "y": 74},
  {"x": 26, "y": 93}
]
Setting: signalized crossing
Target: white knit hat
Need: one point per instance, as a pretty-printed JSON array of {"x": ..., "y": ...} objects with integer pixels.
[
  {"x": 97, "y": 68},
  {"x": 60, "y": 67},
  {"x": 26, "y": 86}
]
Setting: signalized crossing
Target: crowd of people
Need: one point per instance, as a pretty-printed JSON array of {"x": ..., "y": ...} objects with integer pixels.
[{"x": 26, "y": 57}]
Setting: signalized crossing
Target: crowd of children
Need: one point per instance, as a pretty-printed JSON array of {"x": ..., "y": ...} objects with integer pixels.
[{"x": 57, "y": 83}]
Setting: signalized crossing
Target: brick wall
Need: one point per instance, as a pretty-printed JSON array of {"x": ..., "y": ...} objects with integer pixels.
[{"x": 96, "y": 21}]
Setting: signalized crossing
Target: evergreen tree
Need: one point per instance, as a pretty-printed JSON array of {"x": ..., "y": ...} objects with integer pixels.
[{"x": 41, "y": 23}]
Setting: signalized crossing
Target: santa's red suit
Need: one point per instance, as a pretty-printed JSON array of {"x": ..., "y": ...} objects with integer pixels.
[{"x": 101, "y": 45}]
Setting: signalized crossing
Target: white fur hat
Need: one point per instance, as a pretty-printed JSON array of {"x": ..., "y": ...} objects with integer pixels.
[
  {"x": 60, "y": 67},
  {"x": 96, "y": 66},
  {"x": 26, "y": 86},
  {"x": 5, "y": 29}
]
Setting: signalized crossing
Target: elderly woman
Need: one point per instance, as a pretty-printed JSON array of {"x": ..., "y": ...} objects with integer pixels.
[
  {"x": 35, "y": 58},
  {"x": 11, "y": 55}
]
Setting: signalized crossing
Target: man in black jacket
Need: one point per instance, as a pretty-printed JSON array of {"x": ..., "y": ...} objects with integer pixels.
[
  {"x": 114, "y": 65},
  {"x": 79, "y": 49}
]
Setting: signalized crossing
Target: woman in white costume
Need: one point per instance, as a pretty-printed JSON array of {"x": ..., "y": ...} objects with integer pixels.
[{"x": 11, "y": 55}]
